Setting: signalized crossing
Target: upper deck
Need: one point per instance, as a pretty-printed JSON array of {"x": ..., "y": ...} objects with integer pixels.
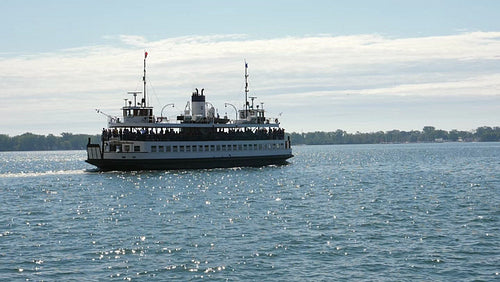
[
  {"x": 157, "y": 124},
  {"x": 198, "y": 114},
  {"x": 195, "y": 115}
]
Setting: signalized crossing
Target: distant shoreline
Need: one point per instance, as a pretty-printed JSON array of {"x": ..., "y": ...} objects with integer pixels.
[
  {"x": 295, "y": 145},
  {"x": 429, "y": 134}
]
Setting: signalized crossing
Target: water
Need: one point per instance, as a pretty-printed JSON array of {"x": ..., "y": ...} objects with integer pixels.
[{"x": 374, "y": 212}]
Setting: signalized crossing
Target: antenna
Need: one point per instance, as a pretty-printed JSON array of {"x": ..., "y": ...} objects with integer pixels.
[
  {"x": 144, "y": 79},
  {"x": 246, "y": 88}
]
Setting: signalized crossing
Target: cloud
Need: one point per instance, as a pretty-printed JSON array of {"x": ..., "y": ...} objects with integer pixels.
[
  {"x": 285, "y": 72},
  {"x": 133, "y": 40},
  {"x": 478, "y": 85}
]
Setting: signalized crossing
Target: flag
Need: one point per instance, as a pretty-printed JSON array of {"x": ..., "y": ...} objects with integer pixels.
[{"x": 145, "y": 54}]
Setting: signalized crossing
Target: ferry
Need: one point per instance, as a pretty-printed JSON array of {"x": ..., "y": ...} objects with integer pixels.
[{"x": 198, "y": 138}]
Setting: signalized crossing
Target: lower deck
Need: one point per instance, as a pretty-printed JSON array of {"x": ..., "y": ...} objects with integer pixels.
[
  {"x": 194, "y": 163},
  {"x": 140, "y": 155}
]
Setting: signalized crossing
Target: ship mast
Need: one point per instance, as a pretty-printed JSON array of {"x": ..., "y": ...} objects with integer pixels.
[
  {"x": 246, "y": 89},
  {"x": 144, "y": 79}
]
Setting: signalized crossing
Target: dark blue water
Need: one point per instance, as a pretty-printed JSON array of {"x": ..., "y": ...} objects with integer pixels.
[{"x": 374, "y": 212}]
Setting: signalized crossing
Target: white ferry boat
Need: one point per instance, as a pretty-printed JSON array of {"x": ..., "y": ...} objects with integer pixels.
[{"x": 197, "y": 139}]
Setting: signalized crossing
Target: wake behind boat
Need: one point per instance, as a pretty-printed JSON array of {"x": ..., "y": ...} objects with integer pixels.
[{"x": 197, "y": 139}]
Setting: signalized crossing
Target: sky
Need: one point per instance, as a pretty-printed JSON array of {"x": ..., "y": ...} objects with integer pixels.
[{"x": 316, "y": 65}]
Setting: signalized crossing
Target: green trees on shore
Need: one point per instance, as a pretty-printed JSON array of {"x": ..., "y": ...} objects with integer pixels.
[
  {"x": 33, "y": 142},
  {"x": 428, "y": 134},
  {"x": 69, "y": 141}
]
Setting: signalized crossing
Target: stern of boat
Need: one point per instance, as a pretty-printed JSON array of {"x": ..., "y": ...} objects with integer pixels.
[{"x": 93, "y": 151}]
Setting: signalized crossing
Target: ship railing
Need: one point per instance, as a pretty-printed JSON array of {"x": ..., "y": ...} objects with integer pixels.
[{"x": 193, "y": 135}]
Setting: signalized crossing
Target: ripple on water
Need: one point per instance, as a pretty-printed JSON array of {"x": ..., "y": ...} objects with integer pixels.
[{"x": 385, "y": 212}]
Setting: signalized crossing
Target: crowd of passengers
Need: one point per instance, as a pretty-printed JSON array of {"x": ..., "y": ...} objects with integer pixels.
[{"x": 193, "y": 134}]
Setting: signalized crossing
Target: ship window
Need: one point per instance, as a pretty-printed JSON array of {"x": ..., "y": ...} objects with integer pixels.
[
  {"x": 218, "y": 147},
  {"x": 137, "y": 148},
  {"x": 206, "y": 148},
  {"x": 200, "y": 148},
  {"x": 223, "y": 147},
  {"x": 195, "y": 148},
  {"x": 255, "y": 147},
  {"x": 188, "y": 148},
  {"x": 174, "y": 148},
  {"x": 212, "y": 147},
  {"x": 240, "y": 147},
  {"x": 260, "y": 146},
  {"x": 168, "y": 149},
  {"x": 235, "y": 147},
  {"x": 181, "y": 148},
  {"x": 126, "y": 148},
  {"x": 161, "y": 149},
  {"x": 153, "y": 149}
]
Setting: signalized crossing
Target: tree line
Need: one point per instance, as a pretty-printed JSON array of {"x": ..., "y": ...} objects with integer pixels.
[
  {"x": 33, "y": 142},
  {"x": 69, "y": 141},
  {"x": 428, "y": 134}
]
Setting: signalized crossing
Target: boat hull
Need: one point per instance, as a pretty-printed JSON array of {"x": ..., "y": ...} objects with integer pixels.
[{"x": 198, "y": 163}]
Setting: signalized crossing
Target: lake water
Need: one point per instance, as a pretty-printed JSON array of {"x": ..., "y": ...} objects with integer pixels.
[{"x": 360, "y": 212}]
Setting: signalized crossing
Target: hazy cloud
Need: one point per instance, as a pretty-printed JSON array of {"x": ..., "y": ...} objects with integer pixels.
[{"x": 285, "y": 73}]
